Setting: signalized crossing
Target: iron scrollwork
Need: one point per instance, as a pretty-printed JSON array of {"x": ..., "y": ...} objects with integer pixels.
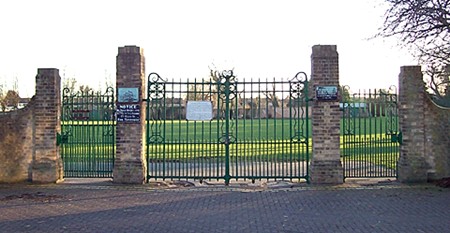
[
  {"x": 155, "y": 105},
  {"x": 299, "y": 104},
  {"x": 66, "y": 113},
  {"x": 391, "y": 112},
  {"x": 109, "y": 111},
  {"x": 227, "y": 85},
  {"x": 347, "y": 111},
  {"x": 227, "y": 88}
]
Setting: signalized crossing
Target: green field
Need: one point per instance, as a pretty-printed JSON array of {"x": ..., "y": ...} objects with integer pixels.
[
  {"x": 244, "y": 129},
  {"x": 87, "y": 148},
  {"x": 262, "y": 129},
  {"x": 251, "y": 140}
]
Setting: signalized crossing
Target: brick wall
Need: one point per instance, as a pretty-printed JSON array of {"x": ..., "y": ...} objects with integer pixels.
[
  {"x": 28, "y": 150},
  {"x": 16, "y": 144},
  {"x": 326, "y": 167},
  {"x": 130, "y": 163},
  {"x": 47, "y": 163},
  {"x": 425, "y": 151},
  {"x": 437, "y": 140}
]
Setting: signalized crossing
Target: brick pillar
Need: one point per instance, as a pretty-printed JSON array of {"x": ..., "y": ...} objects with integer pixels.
[
  {"x": 47, "y": 164},
  {"x": 412, "y": 166},
  {"x": 130, "y": 166},
  {"x": 325, "y": 166}
]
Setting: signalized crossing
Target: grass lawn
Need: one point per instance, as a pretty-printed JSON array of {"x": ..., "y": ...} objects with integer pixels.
[
  {"x": 251, "y": 140},
  {"x": 263, "y": 129}
]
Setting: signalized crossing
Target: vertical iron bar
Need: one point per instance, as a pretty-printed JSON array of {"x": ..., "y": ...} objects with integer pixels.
[
  {"x": 282, "y": 139},
  {"x": 210, "y": 142},
  {"x": 227, "y": 129},
  {"x": 147, "y": 136},
  {"x": 218, "y": 116},
  {"x": 173, "y": 107},
  {"x": 195, "y": 163},
  {"x": 242, "y": 142},
  {"x": 178, "y": 140},
  {"x": 252, "y": 116},
  {"x": 292, "y": 102},
  {"x": 307, "y": 136},
  {"x": 239, "y": 159},
  {"x": 266, "y": 139},
  {"x": 274, "y": 139},
  {"x": 258, "y": 145}
]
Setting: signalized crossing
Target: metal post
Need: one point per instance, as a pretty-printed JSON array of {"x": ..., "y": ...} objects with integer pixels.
[{"x": 227, "y": 77}]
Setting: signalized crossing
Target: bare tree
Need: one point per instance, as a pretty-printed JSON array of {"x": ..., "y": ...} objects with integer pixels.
[
  {"x": 70, "y": 83},
  {"x": 108, "y": 79},
  {"x": 203, "y": 90},
  {"x": 9, "y": 98},
  {"x": 215, "y": 77},
  {"x": 424, "y": 27},
  {"x": 12, "y": 99},
  {"x": 3, "y": 105},
  {"x": 345, "y": 93},
  {"x": 2, "y": 99},
  {"x": 439, "y": 80},
  {"x": 272, "y": 97},
  {"x": 86, "y": 90}
]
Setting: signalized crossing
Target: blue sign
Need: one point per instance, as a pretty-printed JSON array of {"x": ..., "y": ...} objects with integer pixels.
[
  {"x": 327, "y": 93},
  {"x": 128, "y": 113}
]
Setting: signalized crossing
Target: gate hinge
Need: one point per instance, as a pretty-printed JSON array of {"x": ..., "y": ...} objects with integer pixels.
[
  {"x": 61, "y": 138},
  {"x": 397, "y": 138}
]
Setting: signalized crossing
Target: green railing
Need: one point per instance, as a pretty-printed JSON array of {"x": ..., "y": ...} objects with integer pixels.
[
  {"x": 371, "y": 137},
  {"x": 87, "y": 138},
  {"x": 253, "y": 129}
]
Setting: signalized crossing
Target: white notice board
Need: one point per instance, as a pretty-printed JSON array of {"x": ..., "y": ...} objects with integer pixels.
[{"x": 199, "y": 111}]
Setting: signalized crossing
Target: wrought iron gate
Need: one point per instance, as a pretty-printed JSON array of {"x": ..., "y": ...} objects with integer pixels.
[
  {"x": 238, "y": 129},
  {"x": 370, "y": 133},
  {"x": 87, "y": 137}
]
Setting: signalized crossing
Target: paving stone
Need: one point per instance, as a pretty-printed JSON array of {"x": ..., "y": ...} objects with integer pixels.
[{"x": 105, "y": 207}]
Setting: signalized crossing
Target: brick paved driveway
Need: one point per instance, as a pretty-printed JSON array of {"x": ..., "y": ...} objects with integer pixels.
[{"x": 110, "y": 208}]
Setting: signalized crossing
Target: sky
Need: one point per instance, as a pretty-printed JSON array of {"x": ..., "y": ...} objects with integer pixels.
[{"x": 183, "y": 39}]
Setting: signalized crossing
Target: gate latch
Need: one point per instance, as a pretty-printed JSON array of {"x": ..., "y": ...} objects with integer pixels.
[
  {"x": 61, "y": 138},
  {"x": 397, "y": 138}
]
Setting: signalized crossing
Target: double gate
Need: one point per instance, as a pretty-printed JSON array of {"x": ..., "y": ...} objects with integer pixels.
[
  {"x": 222, "y": 128},
  {"x": 87, "y": 138},
  {"x": 370, "y": 133}
]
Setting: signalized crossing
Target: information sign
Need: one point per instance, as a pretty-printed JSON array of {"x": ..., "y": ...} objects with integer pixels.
[
  {"x": 327, "y": 93},
  {"x": 128, "y": 113},
  {"x": 199, "y": 111}
]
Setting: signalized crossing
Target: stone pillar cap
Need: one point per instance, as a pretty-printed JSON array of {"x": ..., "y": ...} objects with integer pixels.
[
  {"x": 324, "y": 51},
  {"x": 131, "y": 49}
]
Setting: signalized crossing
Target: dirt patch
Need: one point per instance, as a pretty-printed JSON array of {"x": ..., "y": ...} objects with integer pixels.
[
  {"x": 444, "y": 182},
  {"x": 171, "y": 184},
  {"x": 38, "y": 196}
]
